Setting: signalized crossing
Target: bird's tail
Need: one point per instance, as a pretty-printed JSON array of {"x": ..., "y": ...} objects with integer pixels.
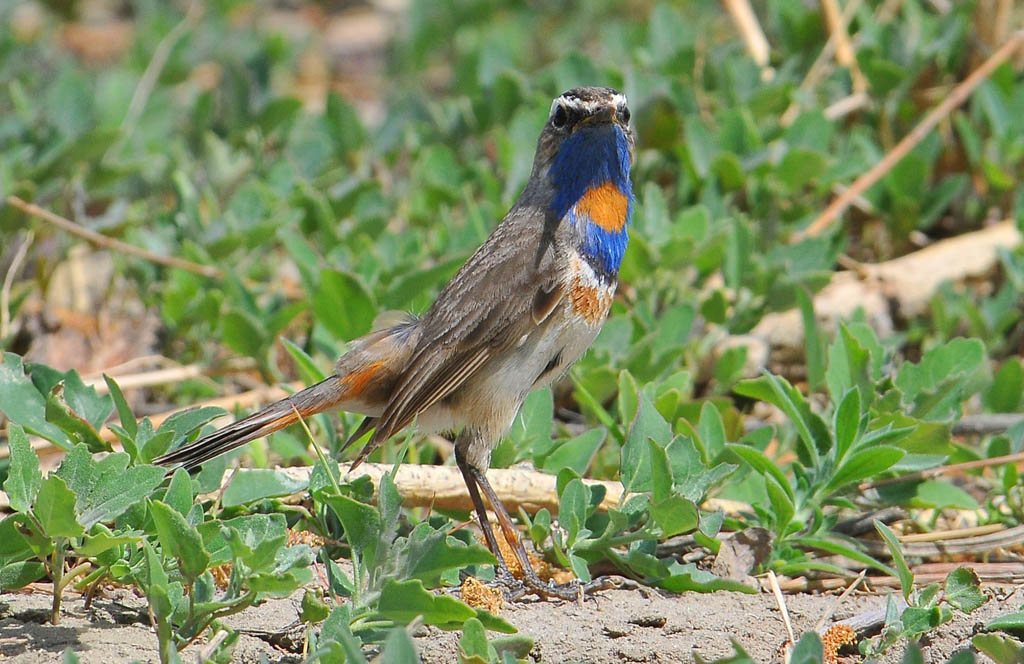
[{"x": 325, "y": 395}]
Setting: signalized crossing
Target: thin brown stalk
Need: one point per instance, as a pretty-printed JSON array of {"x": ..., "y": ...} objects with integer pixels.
[
  {"x": 110, "y": 243},
  {"x": 749, "y": 27},
  {"x": 958, "y": 96},
  {"x": 5, "y": 292},
  {"x": 845, "y": 54}
]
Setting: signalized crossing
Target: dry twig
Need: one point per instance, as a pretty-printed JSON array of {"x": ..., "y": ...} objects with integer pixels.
[{"x": 957, "y": 97}]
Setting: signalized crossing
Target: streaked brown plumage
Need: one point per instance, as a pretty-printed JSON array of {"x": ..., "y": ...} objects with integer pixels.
[{"x": 514, "y": 318}]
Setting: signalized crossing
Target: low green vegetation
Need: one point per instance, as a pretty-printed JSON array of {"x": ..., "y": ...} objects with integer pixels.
[{"x": 315, "y": 214}]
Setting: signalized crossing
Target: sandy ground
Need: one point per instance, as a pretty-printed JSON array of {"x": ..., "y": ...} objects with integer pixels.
[{"x": 620, "y": 626}]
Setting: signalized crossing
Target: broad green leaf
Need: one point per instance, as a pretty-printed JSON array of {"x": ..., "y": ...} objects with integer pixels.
[
  {"x": 711, "y": 430},
  {"x": 661, "y": 472},
  {"x": 572, "y": 509},
  {"x": 473, "y": 646},
  {"x": 20, "y": 574},
  {"x": 932, "y": 383},
  {"x": 683, "y": 578},
  {"x": 24, "y": 404},
  {"x": 849, "y": 366},
  {"x": 108, "y": 487},
  {"x": 428, "y": 553},
  {"x": 808, "y": 650},
  {"x": 343, "y": 305},
  {"x": 1011, "y": 622},
  {"x": 575, "y": 453},
  {"x": 963, "y": 589},
  {"x": 635, "y": 466},
  {"x": 179, "y": 492},
  {"x": 402, "y": 601},
  {"x": 939, "y": 494},
  {"x": 361, "y": 522},
  {"x": 1007, "y": 389},
  {"x": 23, "y": 477},
  {"x": 252, "y": 484},
  {"x": 1002, "y": 649},
  {"x": 180, "y": 540},
  {"x": 674, "y": 515},
  {"x": 398, "y": 648},
  {"x": 55, "y": 508}
]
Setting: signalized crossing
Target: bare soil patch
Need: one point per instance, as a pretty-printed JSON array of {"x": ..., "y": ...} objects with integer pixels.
[{"x": 618, "y": 626}]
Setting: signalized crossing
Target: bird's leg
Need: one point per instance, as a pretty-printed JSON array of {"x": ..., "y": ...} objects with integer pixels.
[{"x": 474, "y": 478}]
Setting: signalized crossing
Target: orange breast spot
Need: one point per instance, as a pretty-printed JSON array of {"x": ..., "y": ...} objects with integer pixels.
[
  {"x": 591, "y": 303},
  {"x": 357, "y": 380},
  {"x": 606, "y": 206}
]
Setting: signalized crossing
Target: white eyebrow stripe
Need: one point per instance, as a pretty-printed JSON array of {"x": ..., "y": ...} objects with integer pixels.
[{"x": 585, "y": 105}]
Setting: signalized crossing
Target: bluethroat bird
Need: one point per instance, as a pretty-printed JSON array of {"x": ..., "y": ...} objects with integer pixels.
[{"x": 514, "y": 318}]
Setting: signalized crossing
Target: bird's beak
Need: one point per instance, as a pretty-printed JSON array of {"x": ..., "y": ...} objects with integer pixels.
[{"x": 602, "y": 115}]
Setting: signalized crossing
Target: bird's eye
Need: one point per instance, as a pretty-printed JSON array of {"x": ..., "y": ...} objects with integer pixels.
[
  {"x": 624, "y": 114},
  {"x": 560, "y": 117}
]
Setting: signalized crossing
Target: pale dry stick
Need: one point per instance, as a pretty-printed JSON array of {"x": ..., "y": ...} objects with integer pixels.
[
  {"x": 787, "y": 649},
  {"x": 957, "y": 97},
  {"x": 839, "y": 600},
  {"x": 5, "y": 292},
  {"x": 753, "y": 36},
  {"x": 959, "y": 533},
  {"x": 110, "y": 243},
  {"x": 942, "y": 470},
  {"x": 166, "y": 375},
  {"x": 149, "y": 77},
  {"x": 817, "y": 68},
  {"x": 845, "y": 54},
  {"x": 846, "y": 105}
]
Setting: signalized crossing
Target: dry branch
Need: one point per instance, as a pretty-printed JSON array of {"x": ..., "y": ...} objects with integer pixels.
[
  {"x": 753, "y": 36},
  {"x": 957, "y": 97},
  {"x": 908, "y": 282}
]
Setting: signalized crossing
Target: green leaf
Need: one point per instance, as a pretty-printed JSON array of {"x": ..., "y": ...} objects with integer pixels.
[
  {"x": 124, "y": 412},
  {"x": 814, "y": 342},
  {"x": 243, "y": 333},
  {"x": 429, "y": 553},
  {"x": 575, "y": 453},
  {"x": 20, "y": 574},
  {"x": 846, "y": 422},
  {"x": 179, "y": 492},
  {"x": 308, "y": 369},
  {"x": 761, "y": 464},
  {"x": 864, "y": 464},
  {"x": 1011, "y": 622},
  {"x": 473, "y": 646},
  {"x": 938, "y": 494},
  {"x": 55, "y": 508},
  {"x": 572, "y": 509},
  {"x": 1002, "y": 649},
  {"x": 106, "y": 488},
  {"x": 24, "y": 404},
  {"x": 180, "y": 540},
  {"x": 849, "y": 366},
  {"x": 661, "y": 472},
  {"x": 674, "y": 515},
  {"x": 934, "y": 384},
  {"x": 963, "y": 589},
  {"x": 777, "y": 391},
  {"x": 808, "y": 650},
  {"x": 361, "y": 522},
  {"x": 398, "y": 648},
  {"x": 343, "y": 123},
  {"x": 1007, "y": 389},
  {"x": 684, "y": 578},
  {"x": 252, "y": 484},
  {"x": 635, "y": 465},
  {"x": 23, "y": 476},
  {"x": 402, "y": 601},
  {"x": 711, "y": 430},
  {"x": 899, "y": 562},
  {"x": 343, "y": 305}
]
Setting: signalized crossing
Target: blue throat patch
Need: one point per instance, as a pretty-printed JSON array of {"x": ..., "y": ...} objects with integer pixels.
[{"x": 592, "y": 189}]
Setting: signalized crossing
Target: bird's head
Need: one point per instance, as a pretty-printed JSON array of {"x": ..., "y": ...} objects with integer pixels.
[
  {"x": 581, "y": 170},
  {"x": 587, "y": 134}
]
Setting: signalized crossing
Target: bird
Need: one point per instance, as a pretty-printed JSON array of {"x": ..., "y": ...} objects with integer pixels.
[{"x": 514, "y": 318}]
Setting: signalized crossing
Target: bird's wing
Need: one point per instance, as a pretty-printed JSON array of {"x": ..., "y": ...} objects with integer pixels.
[{"x": 505, "y": 290}]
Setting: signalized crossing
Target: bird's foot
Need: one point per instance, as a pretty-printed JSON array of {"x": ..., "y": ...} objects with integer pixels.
[{"x": 573, "y": 591}]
